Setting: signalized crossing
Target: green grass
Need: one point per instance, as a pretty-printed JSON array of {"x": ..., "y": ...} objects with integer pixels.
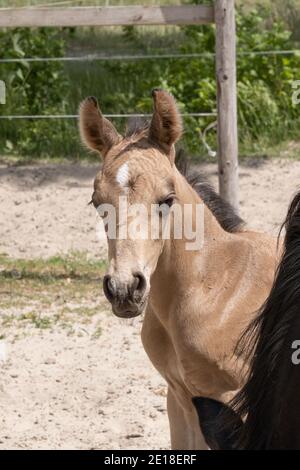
[
  {"x": 288, "y": 149},
  {"x": 17, "y": 160},
  {"x": 98, "y": 332},
  {"x": 75, "y": 267},
  {"x": 42, "y": 322},
  {"x": 60, "y": 292}
]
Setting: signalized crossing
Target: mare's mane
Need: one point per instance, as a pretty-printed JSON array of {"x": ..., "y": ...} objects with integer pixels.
[{"x": 266, "y": 344}]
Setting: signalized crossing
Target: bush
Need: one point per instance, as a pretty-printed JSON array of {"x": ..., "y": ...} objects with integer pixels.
[
  {"x": 33, "y": 88},
  {"x": 265, "y": 109}
]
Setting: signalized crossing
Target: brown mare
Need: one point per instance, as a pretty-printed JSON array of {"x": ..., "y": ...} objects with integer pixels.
[{"x": 196, "y": 302}]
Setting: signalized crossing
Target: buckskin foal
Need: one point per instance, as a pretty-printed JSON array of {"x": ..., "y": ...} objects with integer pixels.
[{"x": 196, "y": 301}]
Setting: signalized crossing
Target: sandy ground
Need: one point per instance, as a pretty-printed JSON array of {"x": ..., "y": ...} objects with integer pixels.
[
  {"x": 69, "y": 391},
  {"x": 44, "y": 209}
]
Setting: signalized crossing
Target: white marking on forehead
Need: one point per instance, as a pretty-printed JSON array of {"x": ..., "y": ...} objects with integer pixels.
[{"x": 123, "y": 176}]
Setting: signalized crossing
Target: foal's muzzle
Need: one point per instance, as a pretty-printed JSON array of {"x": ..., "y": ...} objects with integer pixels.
[{"x": 127, "y": 299}]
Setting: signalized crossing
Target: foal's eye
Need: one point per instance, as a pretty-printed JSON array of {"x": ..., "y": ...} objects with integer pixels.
[{"x": 169, "y": 201}]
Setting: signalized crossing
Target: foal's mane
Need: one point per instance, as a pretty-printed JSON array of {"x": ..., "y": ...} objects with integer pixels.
[
  {"x": 266, "y": 343},
  {"x": 223, "y": 211}
]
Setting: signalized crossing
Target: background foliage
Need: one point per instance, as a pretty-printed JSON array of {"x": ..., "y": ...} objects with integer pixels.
[
  {"x": 265, "y": 110},
  {"x": 33, "y": 88}
]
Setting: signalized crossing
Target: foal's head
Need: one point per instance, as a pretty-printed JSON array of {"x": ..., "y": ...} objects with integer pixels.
[{"x": 137, "y": 169}]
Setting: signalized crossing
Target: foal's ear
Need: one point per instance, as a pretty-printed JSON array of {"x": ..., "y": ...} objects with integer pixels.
[
  {"x": 96, "y": 132},
  {"x": 166, "y": 125},
  {"x": 220, "y": 425}
]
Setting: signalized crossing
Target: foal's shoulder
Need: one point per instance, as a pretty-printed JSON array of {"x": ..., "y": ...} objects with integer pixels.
[
  {"x": 259, "y": 239},
  {"x": 264, "y": 248}
]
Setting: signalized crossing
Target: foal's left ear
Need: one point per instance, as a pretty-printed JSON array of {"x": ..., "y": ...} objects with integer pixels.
[{"x": 166, "y": 124}]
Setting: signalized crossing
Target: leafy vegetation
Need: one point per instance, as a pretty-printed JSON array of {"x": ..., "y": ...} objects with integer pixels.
[
  {"x": 266, "y": 113},
  {"x": 33, "y": 88}
]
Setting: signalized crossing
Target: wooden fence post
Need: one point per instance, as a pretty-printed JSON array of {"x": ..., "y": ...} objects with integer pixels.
[{"x": 226, "y": 101}]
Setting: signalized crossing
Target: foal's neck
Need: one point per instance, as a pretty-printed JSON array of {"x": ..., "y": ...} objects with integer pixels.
[
  {"x": 209, "y": 226},
  {"x": 177, "y": 265}
]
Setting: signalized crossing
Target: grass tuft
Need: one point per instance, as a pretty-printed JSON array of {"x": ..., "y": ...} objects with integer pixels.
[{"x": 61, "y": 291}]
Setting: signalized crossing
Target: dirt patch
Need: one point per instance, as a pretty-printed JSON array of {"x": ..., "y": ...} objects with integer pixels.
[
  {"x": 73, "y": 375},
  {"x": 62, "y": 391},
  {"x": 44, "y": 209}
]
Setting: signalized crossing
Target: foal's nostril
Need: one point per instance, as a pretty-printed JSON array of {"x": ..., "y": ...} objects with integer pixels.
[
  {"x": 109, "y": 287},
  {"x": 139, "y": 285},
  {"x": 124, "y": 293}
]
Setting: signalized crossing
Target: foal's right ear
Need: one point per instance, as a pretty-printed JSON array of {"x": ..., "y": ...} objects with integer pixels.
[
  {"x": 96, "y": 132},
  {"x": 219, "y": 424},
  {"x": 166, "y": 124}
]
